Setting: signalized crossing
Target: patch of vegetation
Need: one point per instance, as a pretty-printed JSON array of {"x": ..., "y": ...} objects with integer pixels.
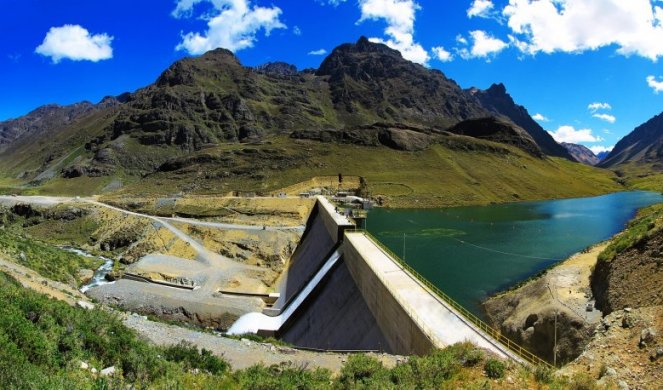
[
  {"x": 48, "y": 261},
  {"x": 647, "y": 222},
  {"x": 494, "y": 368},
  {"x": 193, "y": 359},
  {"x": 45, "y": 342}
]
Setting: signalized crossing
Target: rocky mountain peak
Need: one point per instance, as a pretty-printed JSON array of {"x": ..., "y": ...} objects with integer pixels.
[{"x": 277, "y": 68}]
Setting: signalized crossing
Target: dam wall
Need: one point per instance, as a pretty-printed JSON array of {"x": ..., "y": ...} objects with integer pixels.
[
  {"x": 401, "y": 331},
  {"x": 343, "y": 291}
]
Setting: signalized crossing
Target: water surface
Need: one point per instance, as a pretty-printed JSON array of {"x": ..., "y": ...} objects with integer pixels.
[{"x": 472, "y": 252}]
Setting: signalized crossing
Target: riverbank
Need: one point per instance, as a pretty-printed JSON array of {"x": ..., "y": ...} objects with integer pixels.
[{"x": 558, "y": 302}]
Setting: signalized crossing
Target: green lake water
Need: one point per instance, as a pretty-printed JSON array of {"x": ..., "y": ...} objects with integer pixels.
[{"x": 473, "y": 252}]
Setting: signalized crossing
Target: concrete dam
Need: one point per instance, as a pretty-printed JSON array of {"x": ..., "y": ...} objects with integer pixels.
[{"x": 343, "y": 291}]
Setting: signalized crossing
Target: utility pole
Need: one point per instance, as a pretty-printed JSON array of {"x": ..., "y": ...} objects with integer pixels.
[
  {"x": 555, "y": 345},
  {"x": 555, "y": 337}
]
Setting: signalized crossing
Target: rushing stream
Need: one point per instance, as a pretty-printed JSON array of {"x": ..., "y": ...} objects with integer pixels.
[
  {"x": 472, "y": 252},
  {"x": 99, "y": 277}
]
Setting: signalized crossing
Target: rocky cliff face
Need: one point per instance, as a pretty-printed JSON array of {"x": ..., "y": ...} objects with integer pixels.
[
  {"x": 498, "y": 101},
  {"x": 634, "y": 278},
  {"x": 643, "y": 145},
  {"x": 581, "y": 153}
]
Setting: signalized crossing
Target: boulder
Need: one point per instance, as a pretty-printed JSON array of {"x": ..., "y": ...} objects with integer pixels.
[{"x": 85, "y": 305}]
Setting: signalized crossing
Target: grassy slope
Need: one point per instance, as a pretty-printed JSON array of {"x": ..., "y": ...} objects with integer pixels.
[
  {"x": 49, "y": 261},
  {"x": 439, "y": 176},
  {"x": 45, "y": 340},
  {"x": 641, "y": 176},
  {"x": 648, "y": 222}
]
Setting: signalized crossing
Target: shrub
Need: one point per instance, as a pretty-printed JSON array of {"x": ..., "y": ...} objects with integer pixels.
[
  {"x": 582, "y": 381},
  {"x": 543, "y": 374},
  {"x": 191, "y": 358},
  {"x": 283, "y": 376},
  {"x": 494, "y": 368},
  {"x": 467, "y": 354},
  {"x": 362, "y": 369}
]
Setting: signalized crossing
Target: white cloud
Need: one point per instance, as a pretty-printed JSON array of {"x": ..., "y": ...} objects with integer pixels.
[
  {"x": 461, "y": 39},
  {"x": 540, "y": 118},
  {"x": 605, "y": 117},
  {"x": 483, "y": 46},
  {"x": 400, "y": 16},
  {"x": 571, "y": 135},
  {"x": 635, "y": 27},
  {"x": 654, "y": 84},
  {"x": 600, "y": 148},
  {"x": 319, "y": 52},
  {"x": 442, "y": 54},
  {"x": 297, "y": 31},
  {"x": 233, "y": 25},
  {"x": 75, "y": 43},
  {"x": 480, "y": 8},
  {"x": 593, "y": 107}
]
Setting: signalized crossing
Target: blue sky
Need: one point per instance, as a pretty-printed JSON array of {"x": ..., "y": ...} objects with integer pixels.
[{"x": 591, "y": 68}]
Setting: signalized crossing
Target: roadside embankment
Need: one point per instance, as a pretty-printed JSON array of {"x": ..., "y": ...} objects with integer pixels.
[
  {"x": 633, "y": 278},
  {"x": 555, "y": 302}
]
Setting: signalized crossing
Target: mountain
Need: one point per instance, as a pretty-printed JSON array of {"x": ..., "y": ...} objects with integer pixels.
[
  {"x": 210, "y": 124},
  {"x": 602, "y": 155},
  {"x": 643, "y": 145},
  {"x": 369, "y": 77},
  {"x": 582, "y": 153},
  {"x": 497, "y": 100},
  {"x": 48, "y": 117},
  {"x": 207, "y": 101}
]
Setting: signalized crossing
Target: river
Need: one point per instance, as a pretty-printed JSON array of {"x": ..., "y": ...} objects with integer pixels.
[
  {"x": 472, "y": 252},
  {"x": 99, "y": 276}
]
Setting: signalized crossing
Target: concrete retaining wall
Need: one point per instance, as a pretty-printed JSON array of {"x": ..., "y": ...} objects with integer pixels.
[{"x": 399, "y": 329}]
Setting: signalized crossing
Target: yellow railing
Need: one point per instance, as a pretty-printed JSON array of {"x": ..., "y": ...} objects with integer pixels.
[{"x": 524, "y": 354}]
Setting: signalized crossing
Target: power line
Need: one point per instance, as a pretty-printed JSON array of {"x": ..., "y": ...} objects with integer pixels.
[{"x": 502, "y": 252}]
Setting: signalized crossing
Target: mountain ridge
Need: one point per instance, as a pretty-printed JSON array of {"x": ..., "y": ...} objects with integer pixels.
[
  {"x": 581, "y": 153},
  {"x": 642, "y": 145}
]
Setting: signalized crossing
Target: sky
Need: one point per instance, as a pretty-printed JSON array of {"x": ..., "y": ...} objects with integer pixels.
[{"x": 589, "y": 71}]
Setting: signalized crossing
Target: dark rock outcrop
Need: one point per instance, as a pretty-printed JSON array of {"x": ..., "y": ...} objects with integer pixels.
[
  {"x": 498, "y": 130},
  {"x": 395, "y": 136},
  {"x": 277, "y": 68}
]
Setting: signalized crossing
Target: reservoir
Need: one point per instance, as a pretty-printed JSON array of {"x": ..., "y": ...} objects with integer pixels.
[{"x": 473, "y": 252}]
